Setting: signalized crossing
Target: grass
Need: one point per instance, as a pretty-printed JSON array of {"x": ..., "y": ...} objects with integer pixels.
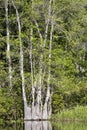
[{"x": 78, "y": 113}]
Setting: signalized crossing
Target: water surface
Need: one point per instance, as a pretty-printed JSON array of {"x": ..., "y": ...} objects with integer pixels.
[{"x": 44, "y": 125}]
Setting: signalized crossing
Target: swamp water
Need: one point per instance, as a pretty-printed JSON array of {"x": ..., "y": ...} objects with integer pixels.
[{"x": 44, "y": 125}]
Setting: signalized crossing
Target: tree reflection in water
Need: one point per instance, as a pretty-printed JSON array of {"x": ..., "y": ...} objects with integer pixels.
[{"x": 37, "y": 125}]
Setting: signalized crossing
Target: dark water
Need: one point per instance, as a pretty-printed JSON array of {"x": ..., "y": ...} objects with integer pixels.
[{"x": 44, "y": 126}]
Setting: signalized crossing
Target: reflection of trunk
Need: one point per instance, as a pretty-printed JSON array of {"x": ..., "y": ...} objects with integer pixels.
[
  {"x": 27, "y": 110},
  {"x": 46, "y": 126},
  {"x": 8, "y": 46},
  {"x": 37, "y": 125}
]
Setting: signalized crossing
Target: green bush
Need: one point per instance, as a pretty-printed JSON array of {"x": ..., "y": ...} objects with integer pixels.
[
  {"x": 78, "y": 113},
  {"x": 10, "y": 106},
  {"x": 57, "y": 103}
]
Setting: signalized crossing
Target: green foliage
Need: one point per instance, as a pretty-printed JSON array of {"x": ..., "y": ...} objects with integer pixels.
[
  {"x": 3, "y": 74},
  {"x": 69, "y": 54},
  {"x": 57, "y": 103},
  {"x": 6, "y": 104},
  {"x": 10, "y": 105},
  {"x": 78, "y": 113}
]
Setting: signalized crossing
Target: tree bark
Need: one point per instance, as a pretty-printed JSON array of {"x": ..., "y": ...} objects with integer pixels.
[
  {"x": 49, "y": 70},
  {"x": 47, "y": 111},
  {"x": 47, "y": 22},
  {"x": 27, "y": 110},
  {"x": 35, "y": 112},
  {"x": 39, "y": 94},
  {"x": 8, "y": 46}
]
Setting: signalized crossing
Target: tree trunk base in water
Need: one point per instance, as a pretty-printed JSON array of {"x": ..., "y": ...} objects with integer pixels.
[
  {"x": 36, "y": 119},
  {"x": 35, "y": 115}
]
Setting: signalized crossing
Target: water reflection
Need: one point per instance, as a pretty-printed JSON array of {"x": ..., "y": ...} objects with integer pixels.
[
  {"x": 69, "y": 126},
  {"x": 11, "y": 126},
  {"x": 37, "y": 125},
  {"x": 44, "y": 125}
]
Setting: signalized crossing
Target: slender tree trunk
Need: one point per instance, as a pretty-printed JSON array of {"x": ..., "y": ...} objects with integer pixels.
[
  {"x": 31, "y": 61},
  {"x": 41, "y": 59},
  {"x": 27, "y": 110},
  {"x": 47, "y": 106},
  {"x": 47, "y": 22},
  {"x": 32, "y": 77},
  {"x": 49, "y": 70},
  {"x": 8, "y": 46},
  {"x": 40, "y": 35},
  {"x": 32, "y": 74},
  {"x": 39, "y": 94},
  {"x": 35, "y": 112}
]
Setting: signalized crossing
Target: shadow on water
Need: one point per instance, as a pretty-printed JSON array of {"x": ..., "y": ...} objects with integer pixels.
[{"x": 44, "y": 125}]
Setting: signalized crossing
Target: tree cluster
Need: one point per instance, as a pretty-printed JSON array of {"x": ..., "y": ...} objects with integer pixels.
[{"x": 43, "y": 56}]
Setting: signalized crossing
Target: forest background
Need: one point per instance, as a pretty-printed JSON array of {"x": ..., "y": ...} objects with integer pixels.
[{"x": 68, "y": 61}]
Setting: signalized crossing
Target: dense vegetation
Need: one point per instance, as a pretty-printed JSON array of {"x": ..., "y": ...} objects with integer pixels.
[
  {"x": 69, "y": 54},
  {"x": 72, "y": 115}
]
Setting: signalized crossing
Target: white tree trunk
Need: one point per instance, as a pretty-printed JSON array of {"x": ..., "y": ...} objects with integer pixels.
[
  {"x": 31, "y": 63},
  {"x": 47, "y": 111},
  {"x": 35, "y": 112},
  {"x": 39, "y": 95},
  {"x": 39, "y": 87},
  {"x": 8, "y": 46},
  {"x": 47, "y": 22},
  {"x": 49, "y": 70},
  {"x": 47, "y": 106},
  {"x": 27, "y": 110}
]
